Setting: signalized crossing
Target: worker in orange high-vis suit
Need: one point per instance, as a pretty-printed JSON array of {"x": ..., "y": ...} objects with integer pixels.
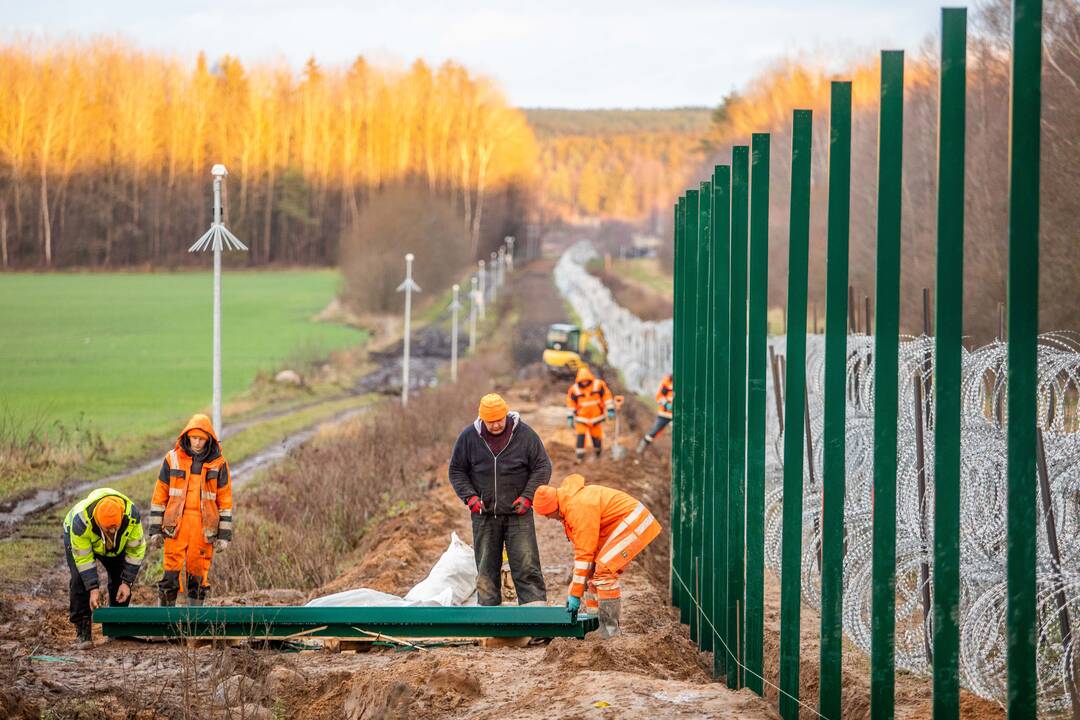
[
  {"x": 665, "y": 405},
  {"x": 192, "y": 511},
  {"x": 608, "y": 528},
  {"x": 591, "y": 403}
]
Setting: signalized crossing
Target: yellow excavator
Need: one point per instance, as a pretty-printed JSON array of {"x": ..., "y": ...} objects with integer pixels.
[{"x": 566, "y": 348}]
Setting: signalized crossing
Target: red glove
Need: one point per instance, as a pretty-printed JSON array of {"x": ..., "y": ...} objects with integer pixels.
[
  {"x": 521, "y": 505},
  {"x": 475, "y": 504}
]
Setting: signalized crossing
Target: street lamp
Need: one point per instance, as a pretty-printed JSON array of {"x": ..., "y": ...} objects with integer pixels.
[
  {"x": 216, "y": 238},
  {"x": 408, "y": 287}
]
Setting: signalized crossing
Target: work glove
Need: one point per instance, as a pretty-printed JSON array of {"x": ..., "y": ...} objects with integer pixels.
[
  {"x": 220, "y": 544},
  {"x": 476, "y": 505},
  {"x": 611, "y": 413},
  {"x": 667, "y": 406},
  {"x": 570, "y": 421},
  {"x": 573, "y": 603},
  {"x": 156, "y": 540},
  {"x": 521, "y": 505}
]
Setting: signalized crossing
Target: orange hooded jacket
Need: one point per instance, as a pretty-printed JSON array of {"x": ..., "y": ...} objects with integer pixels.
[
  {"x": 188, "y": 488},
  {"x": 606, "y": 526}
]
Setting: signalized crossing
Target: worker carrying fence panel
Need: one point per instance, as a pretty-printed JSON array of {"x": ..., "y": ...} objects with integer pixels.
[
  {"x": 591, "y": 403},
  {"x": 608, "y": 529},
  {"x": 105, "y": 526},
  {"x": 497, "y": 463},
  {"x": 191, "y": 511},
  {"x": 665, "y": 404}
]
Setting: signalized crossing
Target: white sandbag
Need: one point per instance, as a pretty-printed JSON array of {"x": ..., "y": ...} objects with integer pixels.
[
  {"x": 362, "y": 597},
  {"x": 452, "y": 581}
]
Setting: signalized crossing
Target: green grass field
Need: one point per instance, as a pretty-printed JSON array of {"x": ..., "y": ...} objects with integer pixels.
[{"x": 128, "y": 354}]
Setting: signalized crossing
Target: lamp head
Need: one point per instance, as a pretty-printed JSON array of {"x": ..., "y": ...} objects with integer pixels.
[{"x": 219, "y": 170}]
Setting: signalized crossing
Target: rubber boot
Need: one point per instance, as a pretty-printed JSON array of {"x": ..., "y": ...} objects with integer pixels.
[
  {"x": 641, "y": 446},
  {"x": 84, "y": 637},
  {"x": 166, "y": 598},
  {"x": 579, "y": 455},
  {"x": 609, "y": 618}
]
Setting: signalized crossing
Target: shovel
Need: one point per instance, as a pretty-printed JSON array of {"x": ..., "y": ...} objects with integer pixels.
[{"x": 618, "y": 452}]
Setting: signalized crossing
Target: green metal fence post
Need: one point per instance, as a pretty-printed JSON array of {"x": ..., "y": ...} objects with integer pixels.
[
  {"x": 687, "y": 611},
  {"x": 756, "y": 398},
  {"x": 677, "y": 468},
  {"x": 703, "y": 482},
  {"x": 1023, "y": 310},
  {"x": 947, "y": 362},
  {"x": 736, "y": 439},
  {"x": 834, "y": 470},
  {"x": 791, "y": 544},
  {"x": 886, "y": 347},
  {"x": 721, "y": 201}
]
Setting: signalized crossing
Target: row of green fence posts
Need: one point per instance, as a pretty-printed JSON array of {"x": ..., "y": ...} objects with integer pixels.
[{"x": 721, "y": 234}]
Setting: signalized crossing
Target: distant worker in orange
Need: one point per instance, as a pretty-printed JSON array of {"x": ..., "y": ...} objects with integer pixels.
[
  {"x": 591, "y": 403},
  {"x": 665, "y": 405},
  {"x": 192, "y": 511},
  {"x": 608, "y": 529}
]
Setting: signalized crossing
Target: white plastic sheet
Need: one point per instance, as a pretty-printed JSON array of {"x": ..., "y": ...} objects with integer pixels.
[{"x": 452, "y": 581}]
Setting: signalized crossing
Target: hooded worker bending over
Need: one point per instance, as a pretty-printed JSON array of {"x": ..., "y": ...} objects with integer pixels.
[
  {"x": 497, "y": 464},
  {"x": 608, "y": 528},
  {"x": 192, "y": 509},
  {"x": 104, "y": 526},
  {"x": 590, "y": 402},
  {"x": 665, "y": 404}
]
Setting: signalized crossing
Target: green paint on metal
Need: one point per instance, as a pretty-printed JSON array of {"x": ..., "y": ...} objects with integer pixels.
[
  {"x": 690, "y": 440},
  {"x": 1023, "y": 313},
  {"x": 886, "y": 341},
  {"x": 717, "y": 436},
  {"x": 676, "y": 432},
  {"x": 947, "y": 364},
  {"x": 795, "y": 384},
  {"x": 736, "y": 440},
  {"x": 833, "y": 435},
  {"x": 756, "y": 398},
  {"x": 285, "y": 622},
  {"x": 702, "y": 479}
]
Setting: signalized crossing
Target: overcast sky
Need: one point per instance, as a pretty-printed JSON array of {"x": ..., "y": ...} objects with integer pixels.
[{"x": 554, "y": 53}]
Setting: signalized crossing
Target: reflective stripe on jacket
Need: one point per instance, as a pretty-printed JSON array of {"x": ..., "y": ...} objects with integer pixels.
[
  {"x": 590, "y": 406},
  {"x": 606, "y": 526},
  {"x": 665, "y": 396},
  {"x": 83, "y": 538},
  {"x": 190, "y": 490}
]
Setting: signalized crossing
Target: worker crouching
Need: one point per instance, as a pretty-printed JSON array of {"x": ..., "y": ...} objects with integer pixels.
[
  {"x": 665, "y": 405},
  {"x": 192, "y": 511},
  {"x": 105, "y": 527},
  {"x": 591, "y": 403},
  {"x": 608, "y": 529}
]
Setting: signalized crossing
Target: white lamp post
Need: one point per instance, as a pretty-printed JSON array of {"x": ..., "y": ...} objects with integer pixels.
[
  {"x": 510, "y": 253},
  {"x": 474, "y": 295},
  {"x": 455, "y": 305},
  {"x": 408, "y": 287},
  {"x": 216, "y": 238},
  {"x": 493, "y": 283},
  {"x": 483, "y": 289}
]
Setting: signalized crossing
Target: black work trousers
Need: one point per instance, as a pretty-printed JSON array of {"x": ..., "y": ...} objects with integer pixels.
[
  {"x": 518, "y": 534},
  {"x": 79, "y": 597}
]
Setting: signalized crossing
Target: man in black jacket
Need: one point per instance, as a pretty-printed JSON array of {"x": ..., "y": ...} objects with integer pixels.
[{"x": 497, "y": 464}]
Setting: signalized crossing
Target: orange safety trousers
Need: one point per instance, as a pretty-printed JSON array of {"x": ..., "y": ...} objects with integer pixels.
[
  {"x": 630, "y": 537},
  {"x": 595, "y": 431},
  {"x": 188, "y": 552}
]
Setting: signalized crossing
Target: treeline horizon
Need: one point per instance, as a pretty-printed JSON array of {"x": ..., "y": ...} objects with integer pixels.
[
  {"x": 766, "y": 103},
  {"x": 106, "y": 150}
]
